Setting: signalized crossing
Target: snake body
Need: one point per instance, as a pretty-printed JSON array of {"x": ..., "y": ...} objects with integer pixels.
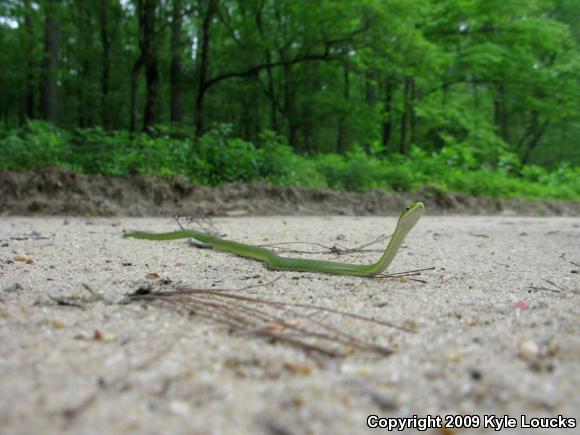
[{"x": 406, "y": 222}]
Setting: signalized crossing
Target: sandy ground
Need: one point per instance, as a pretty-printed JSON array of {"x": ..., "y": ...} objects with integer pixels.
[{"x": 485, "y": 343}]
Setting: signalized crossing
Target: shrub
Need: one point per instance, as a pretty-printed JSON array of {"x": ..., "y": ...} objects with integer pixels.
[
  {"x": 36, "y": 145},
  {"x": 217, "y": 157}
]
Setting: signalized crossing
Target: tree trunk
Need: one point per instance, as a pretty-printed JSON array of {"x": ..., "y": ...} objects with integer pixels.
[
  {"x": 274, "y": 125},
  {"x": 406, "y": 115},
  {"x": 134, "y": 83},
  {"x": 203, "y": 66},
  {"x": 30, "y": 112},
  {"x": 500, "y": 113},
  {"x": 370, "y": 88},
  {"x": 388, "y": 104},
  {"x": 534, "y": 141},
  {"x": 289, "y": 108},
  {"x": 84, "y": 31},
  {"x": 532, "y": 137},
  {"x": 342, "y": 139},
  {"x": 151, "y": 113},
  {"x": 370, "y": 94},
  {"x": 148, "y": 59},
  {"x": 106, "y": 61},
  {"x": 270, "y": 90},
  {"x": 411, "y": 109},
  {"x": 308, "y": 120},
  {"x": 175, "y": 80},
  {"x": 49, "y": 92}
]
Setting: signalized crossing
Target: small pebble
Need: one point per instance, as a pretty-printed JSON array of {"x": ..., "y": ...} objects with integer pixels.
[
  {"x": 298, "y": 368},
  {"x": 274, "y": 327},
  {"x": 470, "y": 321},
  {"x": 529, "y": 350},
  {"x": 475, "y": 374},
  {"x": 552, "y": 350},
  {"x": 57, "y": 324},
  {"x": 179, "y": 407},
  {"x": 410, "y": 324},
  {"x": 452, "y": 356}
]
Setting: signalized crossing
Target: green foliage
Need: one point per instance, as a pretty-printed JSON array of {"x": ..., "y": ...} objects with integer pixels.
[
  {"x": 221, "y": 158},
  {"x": 355, "y": 171},
  {"x": 226, "y": 159},
  {"x": 467, "y": 90},
  {"x": 217, "y": 158},
  {"x": 485, "y": 75},
  {"x": 278, "y": 164},
  {"x": 38, "y": 144}
]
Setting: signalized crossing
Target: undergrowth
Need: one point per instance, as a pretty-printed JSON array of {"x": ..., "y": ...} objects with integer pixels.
[{"x": 217, "y": 157}]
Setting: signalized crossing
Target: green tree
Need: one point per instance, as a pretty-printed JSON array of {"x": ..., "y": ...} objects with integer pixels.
[{"x": 384, "y": 76}]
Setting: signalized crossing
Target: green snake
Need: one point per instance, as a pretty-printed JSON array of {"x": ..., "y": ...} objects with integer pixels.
[{"x": 406, "y": 222}]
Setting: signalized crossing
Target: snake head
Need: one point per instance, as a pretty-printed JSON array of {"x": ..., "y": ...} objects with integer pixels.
[{"x": 411, "y": 214}]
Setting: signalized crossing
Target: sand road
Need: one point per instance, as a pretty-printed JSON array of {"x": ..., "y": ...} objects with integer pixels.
[{"x": 493, "y": 331}]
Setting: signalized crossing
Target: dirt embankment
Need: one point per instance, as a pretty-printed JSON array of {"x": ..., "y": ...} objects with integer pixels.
[{"x": 55, "y": 192}]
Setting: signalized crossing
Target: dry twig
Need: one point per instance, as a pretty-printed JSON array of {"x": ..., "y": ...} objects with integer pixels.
[{"x": 288, "y": 322}]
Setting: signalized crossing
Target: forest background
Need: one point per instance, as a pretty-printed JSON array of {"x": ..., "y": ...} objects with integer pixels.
[{"x": 477, "y": 96}]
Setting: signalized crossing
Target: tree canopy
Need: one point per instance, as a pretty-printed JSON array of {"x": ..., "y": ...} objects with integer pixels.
[{"x": 326, "y": 75}]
